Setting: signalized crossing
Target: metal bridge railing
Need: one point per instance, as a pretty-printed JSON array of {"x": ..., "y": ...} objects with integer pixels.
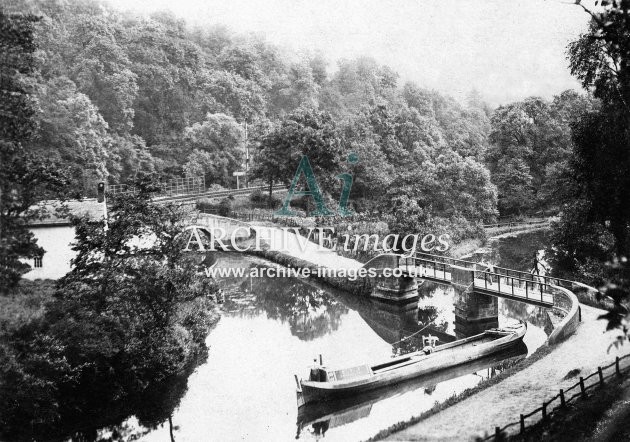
[
  {"x": 503, "y": 271},
  {"x": 504, "y": 281},
  {"x": 525, "y": 288}
]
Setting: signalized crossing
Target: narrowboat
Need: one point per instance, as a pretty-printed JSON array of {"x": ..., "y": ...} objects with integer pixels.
[
  {"x": 335, "y": 383},
  {"x": 350, "y": 409}
]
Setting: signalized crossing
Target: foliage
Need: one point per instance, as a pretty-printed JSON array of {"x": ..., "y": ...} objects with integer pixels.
[
  {"x": 133, "y": 311},
  {"x": 595, "y": 233},
  {"x": 530, "y": 142},
  {"x": 304, "y": 132},
  {"x": 216, "y": 146},
  {"x": 24, "y": 180},
  {"x": 259, "y": 200},
  {"x": 222, "y": 208}
]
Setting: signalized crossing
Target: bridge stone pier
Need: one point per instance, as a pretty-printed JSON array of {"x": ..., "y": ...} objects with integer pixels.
[
  {"x": 474, "y": 312},
  {"x": 396, "y": 289}
]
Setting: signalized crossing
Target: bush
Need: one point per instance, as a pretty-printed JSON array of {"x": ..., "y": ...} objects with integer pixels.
[
  {"x": 225, "y": 206},
  {"x": 257, "y": 196},
  {"x": 261, "y": 200}
]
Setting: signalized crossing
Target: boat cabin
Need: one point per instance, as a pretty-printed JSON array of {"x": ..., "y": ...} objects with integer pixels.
[{"x": 322, "y": 374}]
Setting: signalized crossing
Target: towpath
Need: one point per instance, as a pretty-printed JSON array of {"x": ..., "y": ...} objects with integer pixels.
[
  {"x": 524, "y": 391},
  {"x": 300, "y": 247}
]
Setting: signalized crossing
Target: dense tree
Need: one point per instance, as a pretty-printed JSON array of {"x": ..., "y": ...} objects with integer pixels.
[
  {"x": 533, "y": 139},
  {"x": 593, "y": 235},
  {"x": 304, "y": 132},
  {"x": 24, "y": 180},
  {"x": 226, "y": 92},
  {"x": 71, "y": 131},
  {"x": 123, "y": 94},
  {"x": 217, "y": 143}
]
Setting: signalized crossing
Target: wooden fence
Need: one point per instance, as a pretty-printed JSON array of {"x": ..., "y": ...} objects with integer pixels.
[
  {"x": 506, "y": 227},
  {"x": 561, "y": 399}
]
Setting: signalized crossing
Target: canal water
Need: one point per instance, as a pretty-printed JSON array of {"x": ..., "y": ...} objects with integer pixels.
[{"x": 272, "y": 329}]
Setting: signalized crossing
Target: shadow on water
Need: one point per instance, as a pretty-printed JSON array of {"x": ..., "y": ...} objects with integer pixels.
[{"x": 151, "y": 409}]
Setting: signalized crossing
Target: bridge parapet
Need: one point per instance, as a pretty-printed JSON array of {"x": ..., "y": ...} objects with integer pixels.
[{"x": 231, "y": 227}]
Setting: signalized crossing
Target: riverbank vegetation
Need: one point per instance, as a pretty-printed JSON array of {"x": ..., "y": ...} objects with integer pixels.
[
  {"x": 131, "y": 315},
  {"x": 592, "y": 237},
  {"x": 133, "y": 312}
]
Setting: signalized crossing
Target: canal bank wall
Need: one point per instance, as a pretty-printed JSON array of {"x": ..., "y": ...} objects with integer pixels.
[
  {"x": 566, "y": 302},
  {"x": 358, "y": 287}
]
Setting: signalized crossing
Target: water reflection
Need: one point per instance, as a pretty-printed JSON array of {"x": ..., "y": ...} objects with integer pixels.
[
  {"x": 273, "y": 328},
  {"x": 308, "y": 309}
]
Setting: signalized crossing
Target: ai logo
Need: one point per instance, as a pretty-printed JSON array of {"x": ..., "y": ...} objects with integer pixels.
[{"x": 313, "y": 191}]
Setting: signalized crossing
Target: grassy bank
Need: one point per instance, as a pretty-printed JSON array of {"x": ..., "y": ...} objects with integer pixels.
[
  {"x": 466, "y": 247},
  {"x": 602, "y": 415}
]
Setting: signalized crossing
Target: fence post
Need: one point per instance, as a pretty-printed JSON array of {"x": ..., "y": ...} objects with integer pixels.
[
  {"x": 617, "y": 366},
  {"x": 562, "y": 401},
  {"x": 601, "y": 376},
  {"x": 522, "y": 424},
  {"x": 579, "y": 313},
  {"x": 497, "y": 433},
  {"x": 544, "y": 411},
  {"x": 582, "y": 386}
]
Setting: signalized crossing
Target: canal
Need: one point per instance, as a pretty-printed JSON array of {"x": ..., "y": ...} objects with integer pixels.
[{"x": 272, "y": 329}]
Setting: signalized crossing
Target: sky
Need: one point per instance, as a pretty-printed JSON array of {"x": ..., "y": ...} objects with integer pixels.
[{"x": 506, "y": 49}]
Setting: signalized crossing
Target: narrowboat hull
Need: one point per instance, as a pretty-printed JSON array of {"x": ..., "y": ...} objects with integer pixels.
[
  {"x": 355, "y": 407},
  {"x": 410, "y": 366}
]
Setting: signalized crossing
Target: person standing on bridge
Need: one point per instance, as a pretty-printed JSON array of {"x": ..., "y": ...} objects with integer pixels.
[
  {"x": 539, "y": 264},
  {"x": 488, "y": 268}
]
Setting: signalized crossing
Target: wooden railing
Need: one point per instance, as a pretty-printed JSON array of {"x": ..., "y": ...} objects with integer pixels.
[
  {"x": 561, "y": 399},
  {"x": 513, "y": 226}
]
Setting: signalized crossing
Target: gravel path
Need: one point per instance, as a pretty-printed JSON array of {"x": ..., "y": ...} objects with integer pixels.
[
  {"x": 524, "y": 391},
  {"x": 304, "y": 249}
]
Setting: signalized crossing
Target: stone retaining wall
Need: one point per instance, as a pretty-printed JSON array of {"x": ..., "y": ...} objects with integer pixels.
[{"x": 568, "y": 303}]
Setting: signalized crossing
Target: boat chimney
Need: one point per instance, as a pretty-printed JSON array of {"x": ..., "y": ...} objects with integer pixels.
[{"x": 320, "y": 360}]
